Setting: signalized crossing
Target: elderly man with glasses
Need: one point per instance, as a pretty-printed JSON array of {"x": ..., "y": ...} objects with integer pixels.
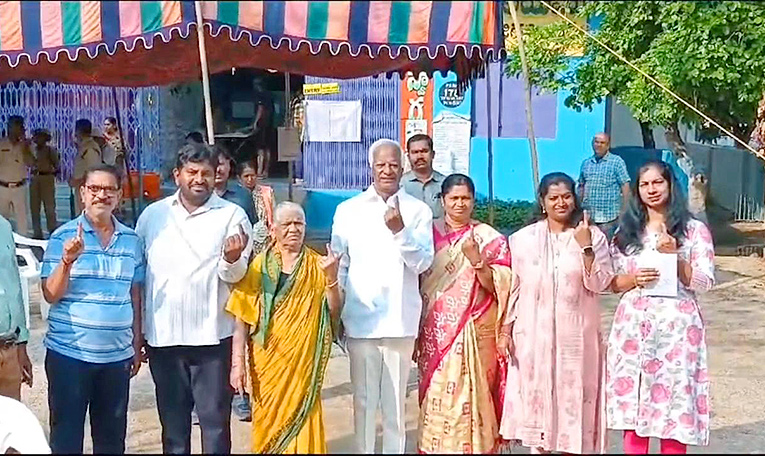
[{"x": 93, "y": 270}]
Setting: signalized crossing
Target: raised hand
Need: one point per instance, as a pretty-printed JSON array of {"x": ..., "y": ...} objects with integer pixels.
[
  {"x": 234, "y": 245},
  {"x": 666, "y": 243},
  {"x": 73, "y": 247},
  {"x": 470, "y": 248},
  {"x": 582, "y": 233},
  {"x": 330, "y": 264},
  {"x": 393, "y": 219}
]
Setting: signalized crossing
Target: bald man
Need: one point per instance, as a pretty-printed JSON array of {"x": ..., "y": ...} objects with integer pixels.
[{"x": 604, "y": 185}]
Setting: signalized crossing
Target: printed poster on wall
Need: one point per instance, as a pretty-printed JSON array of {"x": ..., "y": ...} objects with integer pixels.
[
  {"x": 452, "y": 124},
  {"x": 416, "y": 107},
  {"x": 434, "y": 106}
]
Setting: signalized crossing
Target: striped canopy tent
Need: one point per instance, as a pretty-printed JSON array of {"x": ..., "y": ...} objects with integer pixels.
[{"x": 130, "y": 43}]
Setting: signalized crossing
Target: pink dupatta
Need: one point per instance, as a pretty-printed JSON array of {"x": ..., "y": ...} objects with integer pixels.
[{"x": 452, "y": 295}]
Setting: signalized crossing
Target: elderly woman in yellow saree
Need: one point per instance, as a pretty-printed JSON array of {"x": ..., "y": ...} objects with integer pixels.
[
  {"x": 284, "y": 308},
  {"x": 464, "y": 298}
]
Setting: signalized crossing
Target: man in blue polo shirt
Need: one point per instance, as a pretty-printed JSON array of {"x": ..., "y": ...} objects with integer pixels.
[
  {"x": 604, "y": 185},
  {"x": 92, "y": 273}
]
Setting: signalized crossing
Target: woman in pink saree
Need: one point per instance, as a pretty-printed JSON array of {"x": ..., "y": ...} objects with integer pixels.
[
  {"x": 554, "y": 399},
  {"x": 464, "y": 297}
]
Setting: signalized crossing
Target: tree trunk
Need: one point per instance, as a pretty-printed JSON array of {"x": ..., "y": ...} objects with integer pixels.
[
  {"x": 647, "y": 131},
  {"x": 675, "y": 141}
]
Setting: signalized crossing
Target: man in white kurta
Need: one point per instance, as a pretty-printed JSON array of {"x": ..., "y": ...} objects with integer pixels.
[{"x": 384, "y": 238}]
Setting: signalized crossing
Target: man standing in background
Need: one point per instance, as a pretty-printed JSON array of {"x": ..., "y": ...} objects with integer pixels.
[
  {"x": 42, "y": 191},
  {"x": 423, "y": 182},
  {"x": 604, "y": 185},
  {"x": 15, "y": 157},
  {"x": 88, "y": 156}
]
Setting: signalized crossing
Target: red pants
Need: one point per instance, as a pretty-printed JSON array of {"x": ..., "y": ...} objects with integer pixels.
[{"x": 634, "y": 444}]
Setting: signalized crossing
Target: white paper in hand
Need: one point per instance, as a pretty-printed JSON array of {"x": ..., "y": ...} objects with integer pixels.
[{"x": 666, "y": 264}]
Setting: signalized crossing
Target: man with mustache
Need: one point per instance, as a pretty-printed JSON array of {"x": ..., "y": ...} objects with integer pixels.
[
  {"x": 423, "y": 182},
  {"x": 92, "y": 274},
  {"x": 384, "y": 239},
  {"x": 197, "y": 244}
]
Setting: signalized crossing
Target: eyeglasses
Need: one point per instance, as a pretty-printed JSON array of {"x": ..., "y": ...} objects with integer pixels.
[{"x": 96, "y": 189}]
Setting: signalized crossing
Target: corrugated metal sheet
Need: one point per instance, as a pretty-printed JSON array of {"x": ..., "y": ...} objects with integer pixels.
[{"x": 344, "y": 165}]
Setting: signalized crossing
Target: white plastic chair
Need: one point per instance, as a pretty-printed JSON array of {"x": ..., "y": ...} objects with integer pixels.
[{"x": 31, "y": 271}]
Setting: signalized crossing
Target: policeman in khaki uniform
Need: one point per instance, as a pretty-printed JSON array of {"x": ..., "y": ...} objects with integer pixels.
[
  {"x": 15, "y": 157},
  {"x": 88, "y": 155},
  {"x": 42, "y": 190}
]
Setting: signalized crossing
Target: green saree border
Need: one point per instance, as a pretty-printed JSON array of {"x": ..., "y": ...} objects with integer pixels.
[{"x": 294, "y": 425}]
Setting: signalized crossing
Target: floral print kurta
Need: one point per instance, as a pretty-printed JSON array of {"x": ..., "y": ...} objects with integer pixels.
[{"x": 657, "y": 379}]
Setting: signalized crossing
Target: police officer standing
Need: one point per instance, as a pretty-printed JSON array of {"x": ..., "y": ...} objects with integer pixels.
[
  {"x": 15, "y": 157},
  {"x": 42, "y": 190}
]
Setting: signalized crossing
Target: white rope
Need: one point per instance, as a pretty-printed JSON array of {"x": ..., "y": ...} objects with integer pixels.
[{"x": 652, "y": 79}]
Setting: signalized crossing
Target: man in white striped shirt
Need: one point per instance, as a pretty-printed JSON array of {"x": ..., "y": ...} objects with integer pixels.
[{"x": 196, "y": 245}]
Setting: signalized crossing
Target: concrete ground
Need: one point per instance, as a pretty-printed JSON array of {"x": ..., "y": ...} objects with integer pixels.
[{"x": 734, "y": 311}]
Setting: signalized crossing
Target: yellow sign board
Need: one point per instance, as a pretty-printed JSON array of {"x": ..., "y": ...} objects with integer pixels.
[
  {"x": 533, "y": 14},
  {"x": 321, "y": 89}
]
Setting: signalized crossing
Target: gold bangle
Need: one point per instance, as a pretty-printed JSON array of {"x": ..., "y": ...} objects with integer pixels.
[
  {"x": 637, "y": 285},
  {"x": 332, "y": 285}
]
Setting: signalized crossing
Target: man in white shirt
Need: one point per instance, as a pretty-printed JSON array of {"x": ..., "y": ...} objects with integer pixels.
[
  {"x": 384, "y": 238},
  {"x": 20, "y": 431},
  {"x": 196, "y": 245}
]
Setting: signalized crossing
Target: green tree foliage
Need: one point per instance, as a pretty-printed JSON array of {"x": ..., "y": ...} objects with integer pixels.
[{"x": 711, "y": 53}]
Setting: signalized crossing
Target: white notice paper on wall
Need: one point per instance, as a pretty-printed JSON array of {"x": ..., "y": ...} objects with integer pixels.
[
  {"x": 666, "y": 264},
  {"x": 333, "y": 121},
  {"x": 451, "y": 142}
]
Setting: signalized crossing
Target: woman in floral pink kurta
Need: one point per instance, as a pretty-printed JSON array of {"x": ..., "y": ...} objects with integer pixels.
[
  {"x": 554, "y": 397},
  {"x": 658, "y": 384}
]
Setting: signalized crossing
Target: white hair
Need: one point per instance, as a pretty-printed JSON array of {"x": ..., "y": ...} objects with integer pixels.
[
  {"x": 286, "y": 207},
  {"x": 384, "y": 142}
]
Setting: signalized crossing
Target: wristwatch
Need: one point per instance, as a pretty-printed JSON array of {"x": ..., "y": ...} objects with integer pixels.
[{"x": 588, "y": 250}]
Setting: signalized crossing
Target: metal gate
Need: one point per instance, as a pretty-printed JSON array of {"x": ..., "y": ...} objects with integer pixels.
[{"x": 57, "y": 107}]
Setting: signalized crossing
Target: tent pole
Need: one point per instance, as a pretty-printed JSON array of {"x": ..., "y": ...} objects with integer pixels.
[
  {"x": 489, "y": 144},
  {"x": 290, "y": 163},
  {"x": 127, "y": 155},
  {"x": 205, "y": 73},
  {"x": 527, "y": 85}
]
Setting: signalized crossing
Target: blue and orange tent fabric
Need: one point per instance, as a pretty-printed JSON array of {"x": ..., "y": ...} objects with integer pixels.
[{"x": 151, "y": 42}]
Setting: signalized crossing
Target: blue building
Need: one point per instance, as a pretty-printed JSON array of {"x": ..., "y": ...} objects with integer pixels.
[{"x": 336, "y": 171}]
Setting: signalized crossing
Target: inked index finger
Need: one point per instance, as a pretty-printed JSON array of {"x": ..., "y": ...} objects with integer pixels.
[{"x": 79, "y": 230}]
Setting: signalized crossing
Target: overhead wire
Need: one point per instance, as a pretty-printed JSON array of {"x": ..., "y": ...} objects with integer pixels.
[{"x": 655, "y": 81}]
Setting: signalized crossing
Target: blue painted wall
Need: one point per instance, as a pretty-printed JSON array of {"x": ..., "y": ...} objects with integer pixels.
[{"x": 562, "y": 148}]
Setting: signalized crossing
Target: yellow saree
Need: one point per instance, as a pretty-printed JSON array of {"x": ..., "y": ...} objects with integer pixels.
[{"x": 289, "y": 348}]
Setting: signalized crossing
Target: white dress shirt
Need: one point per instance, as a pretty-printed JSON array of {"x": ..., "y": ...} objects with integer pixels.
[
  {"x": 20, "y": 429},
  {"x": 379, "y": 271},
  {"x": 186, "y": 275}
]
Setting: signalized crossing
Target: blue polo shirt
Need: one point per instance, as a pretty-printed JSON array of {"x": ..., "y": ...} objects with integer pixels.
[{"x": 93, "y": 321}]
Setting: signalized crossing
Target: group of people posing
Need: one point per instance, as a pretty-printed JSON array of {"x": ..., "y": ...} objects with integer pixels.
[{"x": 505, "y": 333}]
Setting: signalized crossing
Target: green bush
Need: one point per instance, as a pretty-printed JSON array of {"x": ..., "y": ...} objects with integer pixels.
[{"x": 509, "y": 216}]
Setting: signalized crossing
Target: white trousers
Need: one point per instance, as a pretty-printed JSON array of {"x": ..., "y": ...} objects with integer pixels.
[
  {"x": 379, "y": 374},
  {"x": 13, "y": 206}
]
